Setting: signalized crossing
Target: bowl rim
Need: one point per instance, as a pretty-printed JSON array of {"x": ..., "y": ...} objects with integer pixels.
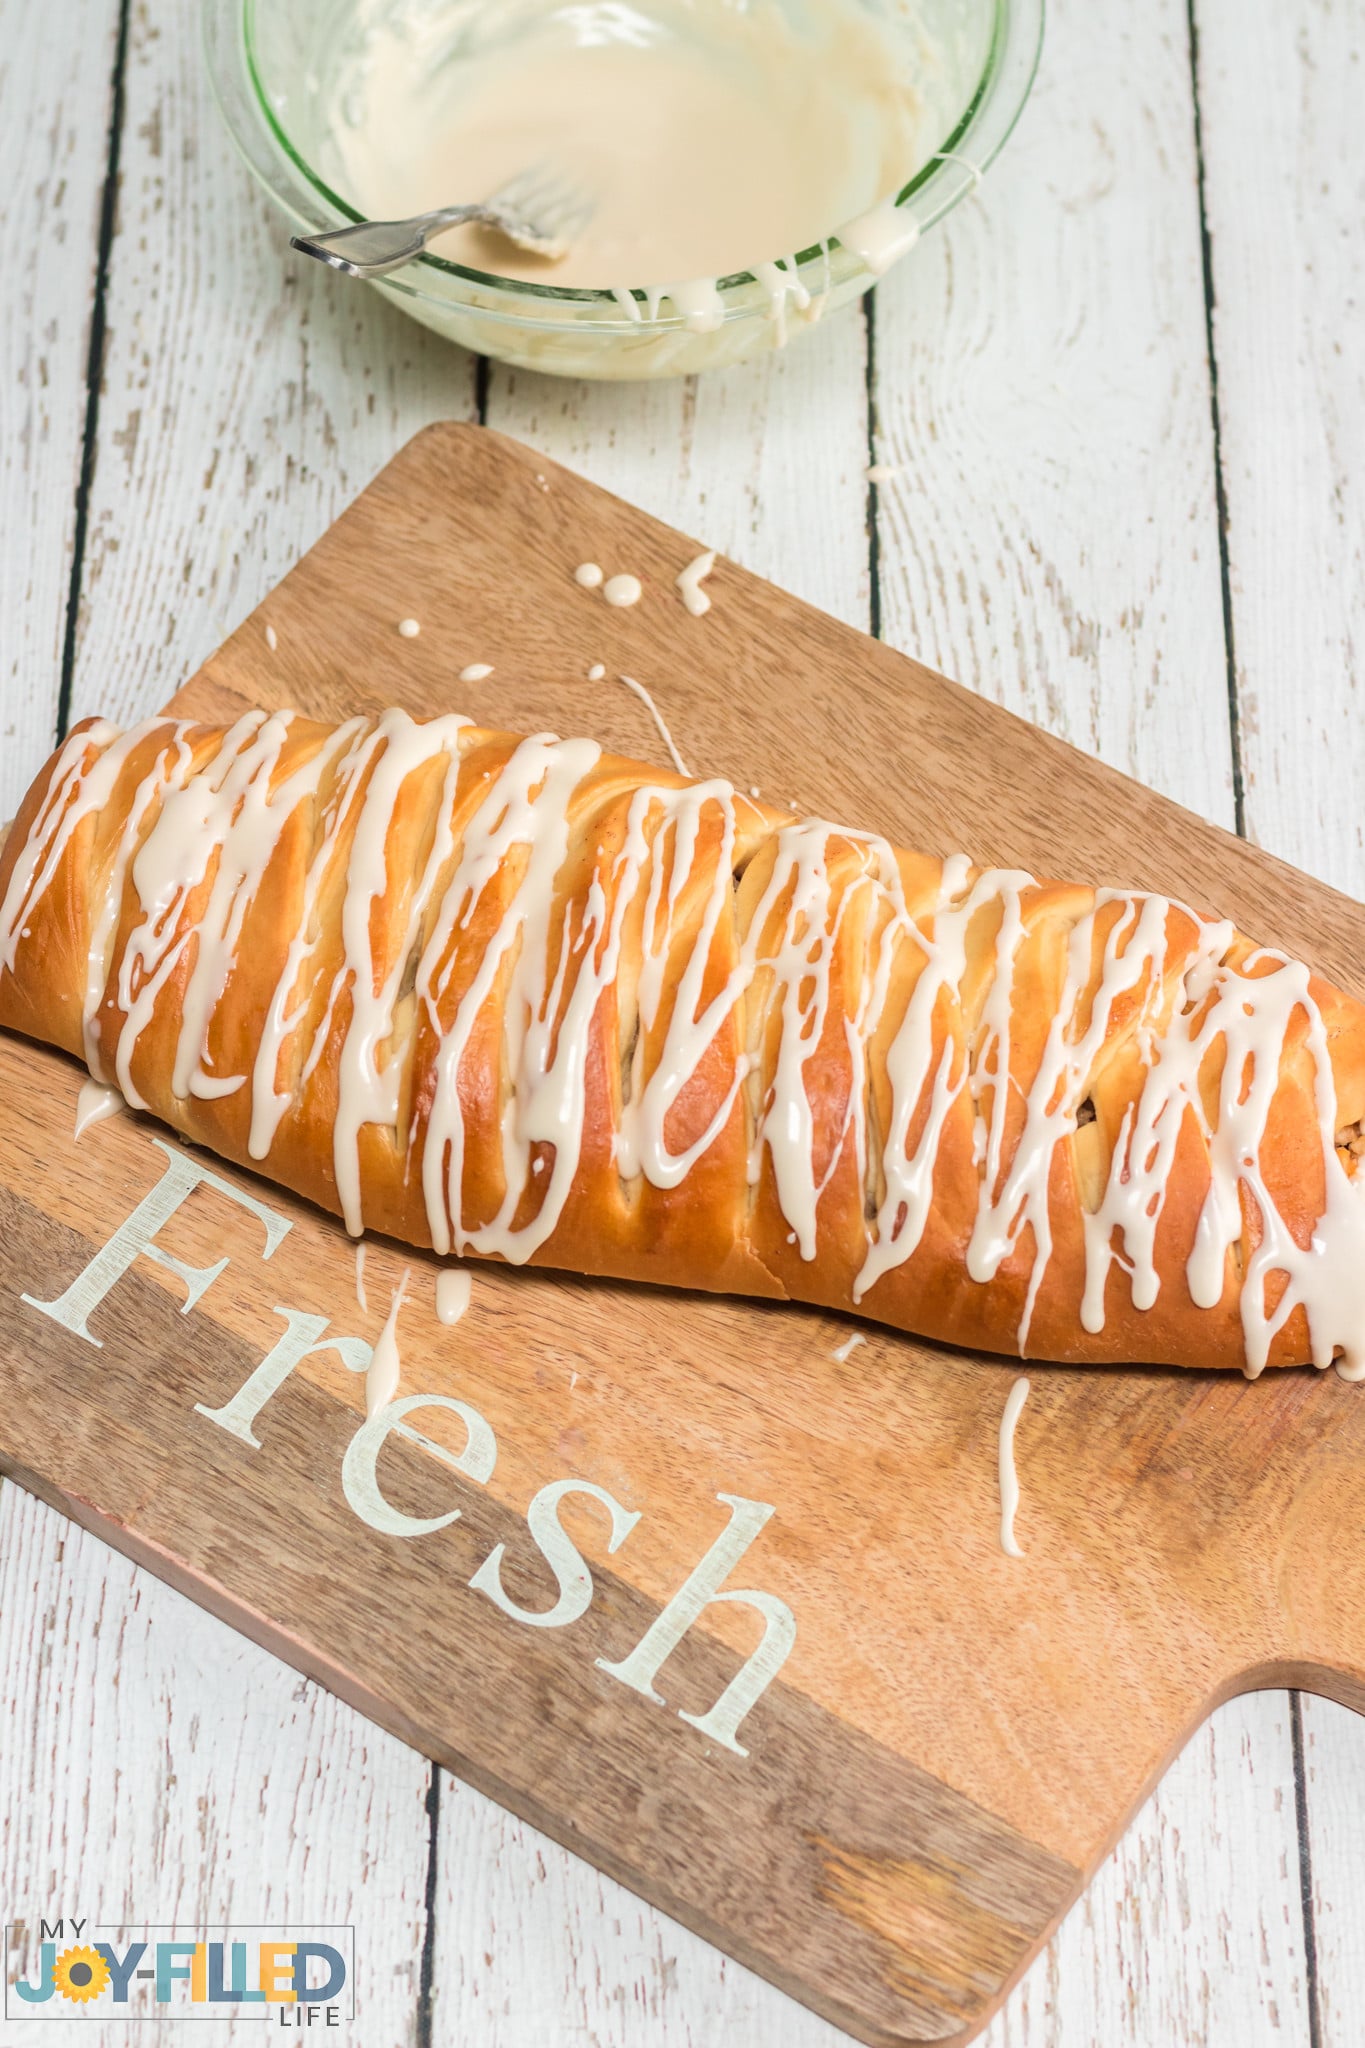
[{"x": 955, "y": 169}]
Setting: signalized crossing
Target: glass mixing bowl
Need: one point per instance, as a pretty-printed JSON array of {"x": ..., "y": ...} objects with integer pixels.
[{"x": 977, "y": 59}]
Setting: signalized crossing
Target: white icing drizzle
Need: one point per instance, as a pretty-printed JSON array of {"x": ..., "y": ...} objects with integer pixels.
[
  {"x": 453, "y": 1289},
  {"x": 93, "y": 1104},
  {"x": 843, "y": 1352},
  {"x": 596, "y": 672},
  {"x": 476, "y": 672},
  {"x": 385, "y": 1366},
  {"x": 697, "y": 301},
  {"x": 639, "y": 690},
  {"x": 272, "y": 640},
  {"x": 881, "y": 236},
  {"x": 361, "y": 1301},
  {"x": 782, "y": 281},
  {"x": 194, "y": 844},
  {"x": 689, "y": 582},
  {"x": 622, "y": 591},
  {"x": 1009, "y": 1478}
]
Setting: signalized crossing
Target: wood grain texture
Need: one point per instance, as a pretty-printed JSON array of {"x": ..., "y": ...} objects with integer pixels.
[
  {"x": 1138, "y": 1463},
  {"x": 188, "y": 1718},
  {"x": 1334, "y": 1768},
  {"x": 765, "y": 462},
  {"x": 244, "y": 403},
  {"x": 55, "y": 68},
  {"x": 1131, "y": 1968},
  {"x": 1280, "y": 94},
  {"x": 1049, "y": 535},
  {"x": 249, "y": 394},
  {"x": 823, "y": 1856},
  {"x": 535, "y": 1952},
  {"x": 1192, "y": 1932}
]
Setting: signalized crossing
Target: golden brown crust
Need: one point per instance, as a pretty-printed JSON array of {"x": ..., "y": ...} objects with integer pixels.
[{"x": 646, "y": 860}]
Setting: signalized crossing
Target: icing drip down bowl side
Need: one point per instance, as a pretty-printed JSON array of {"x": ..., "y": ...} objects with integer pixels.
[{"x": 904, "y": 103}]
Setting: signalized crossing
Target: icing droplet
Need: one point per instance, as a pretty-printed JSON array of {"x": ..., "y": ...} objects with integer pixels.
[
  {"x": 690, "y": 582},
  {"x": 588, "y": 575},
  {"x": 453, "y": 1289},
  {"x": 409, "y": 628},
  {"x": 596, "y": 672},
  {"x": 476, "y": 672},
  {"x": 272, "y": 638},
  {"x": 621, "y": 591},
  {"x": 843, "y": 1352}
]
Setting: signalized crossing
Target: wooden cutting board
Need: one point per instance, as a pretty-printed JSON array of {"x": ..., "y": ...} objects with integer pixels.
[{"x": 956, "y": 1738}]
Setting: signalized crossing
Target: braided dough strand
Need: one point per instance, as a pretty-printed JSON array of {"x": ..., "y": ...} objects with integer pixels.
[{"x": 519, "y": 998}]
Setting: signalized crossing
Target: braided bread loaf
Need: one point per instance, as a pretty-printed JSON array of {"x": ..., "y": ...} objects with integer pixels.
[{"x": 520, "y": 998}]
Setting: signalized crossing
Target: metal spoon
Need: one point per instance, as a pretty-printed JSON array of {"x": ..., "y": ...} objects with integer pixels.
[{"x": 539, "y": 210}]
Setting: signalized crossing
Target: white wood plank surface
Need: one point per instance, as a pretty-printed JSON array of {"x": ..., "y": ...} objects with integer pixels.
[
  {"x": 1334, "y": 1758},
  {"x": 535, "y": 1952},
  {"x": 989, "y": 568},
  {"x": 155, "y": 1765},
  {"x": 765, "y": 462},
  {"x": 56, "y": 66},
  {"x": 1191, "y": 1936},
  {"x": 249, "y": 395},
  {"x": 245, "y": 403},
  {"x": 1051, "y": 538},
  {"x": 1281, "y": 92}
]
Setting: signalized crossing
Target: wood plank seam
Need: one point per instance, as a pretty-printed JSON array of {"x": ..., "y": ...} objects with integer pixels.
[
  {"x": 1312, "y": 1991},
  {"x": 94, "y": 368},
  {"x": 1219, "y": 492},
  {"x": 422, "y": 2018},
  {"x": 423, "y": 2037},
  {"x": 1220, "y": 488},
  {"x": 1311, "y": 1986},
  {"x": 874, "y": 539}
]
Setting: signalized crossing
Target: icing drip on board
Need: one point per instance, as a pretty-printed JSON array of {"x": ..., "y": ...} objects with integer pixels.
[
  {"x": 639, "y": 690},
  {"x": 385, "y": 1366},
  {"x": 1210, "y": 1023},
  {"x": 1009, "y": 1477},
  {"x": 93, "y": 1104},
  {"x": 689, "y": 583}
]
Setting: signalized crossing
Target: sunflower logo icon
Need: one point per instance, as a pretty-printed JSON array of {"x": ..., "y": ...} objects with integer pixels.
[{"x": 80, "y": 1974}]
